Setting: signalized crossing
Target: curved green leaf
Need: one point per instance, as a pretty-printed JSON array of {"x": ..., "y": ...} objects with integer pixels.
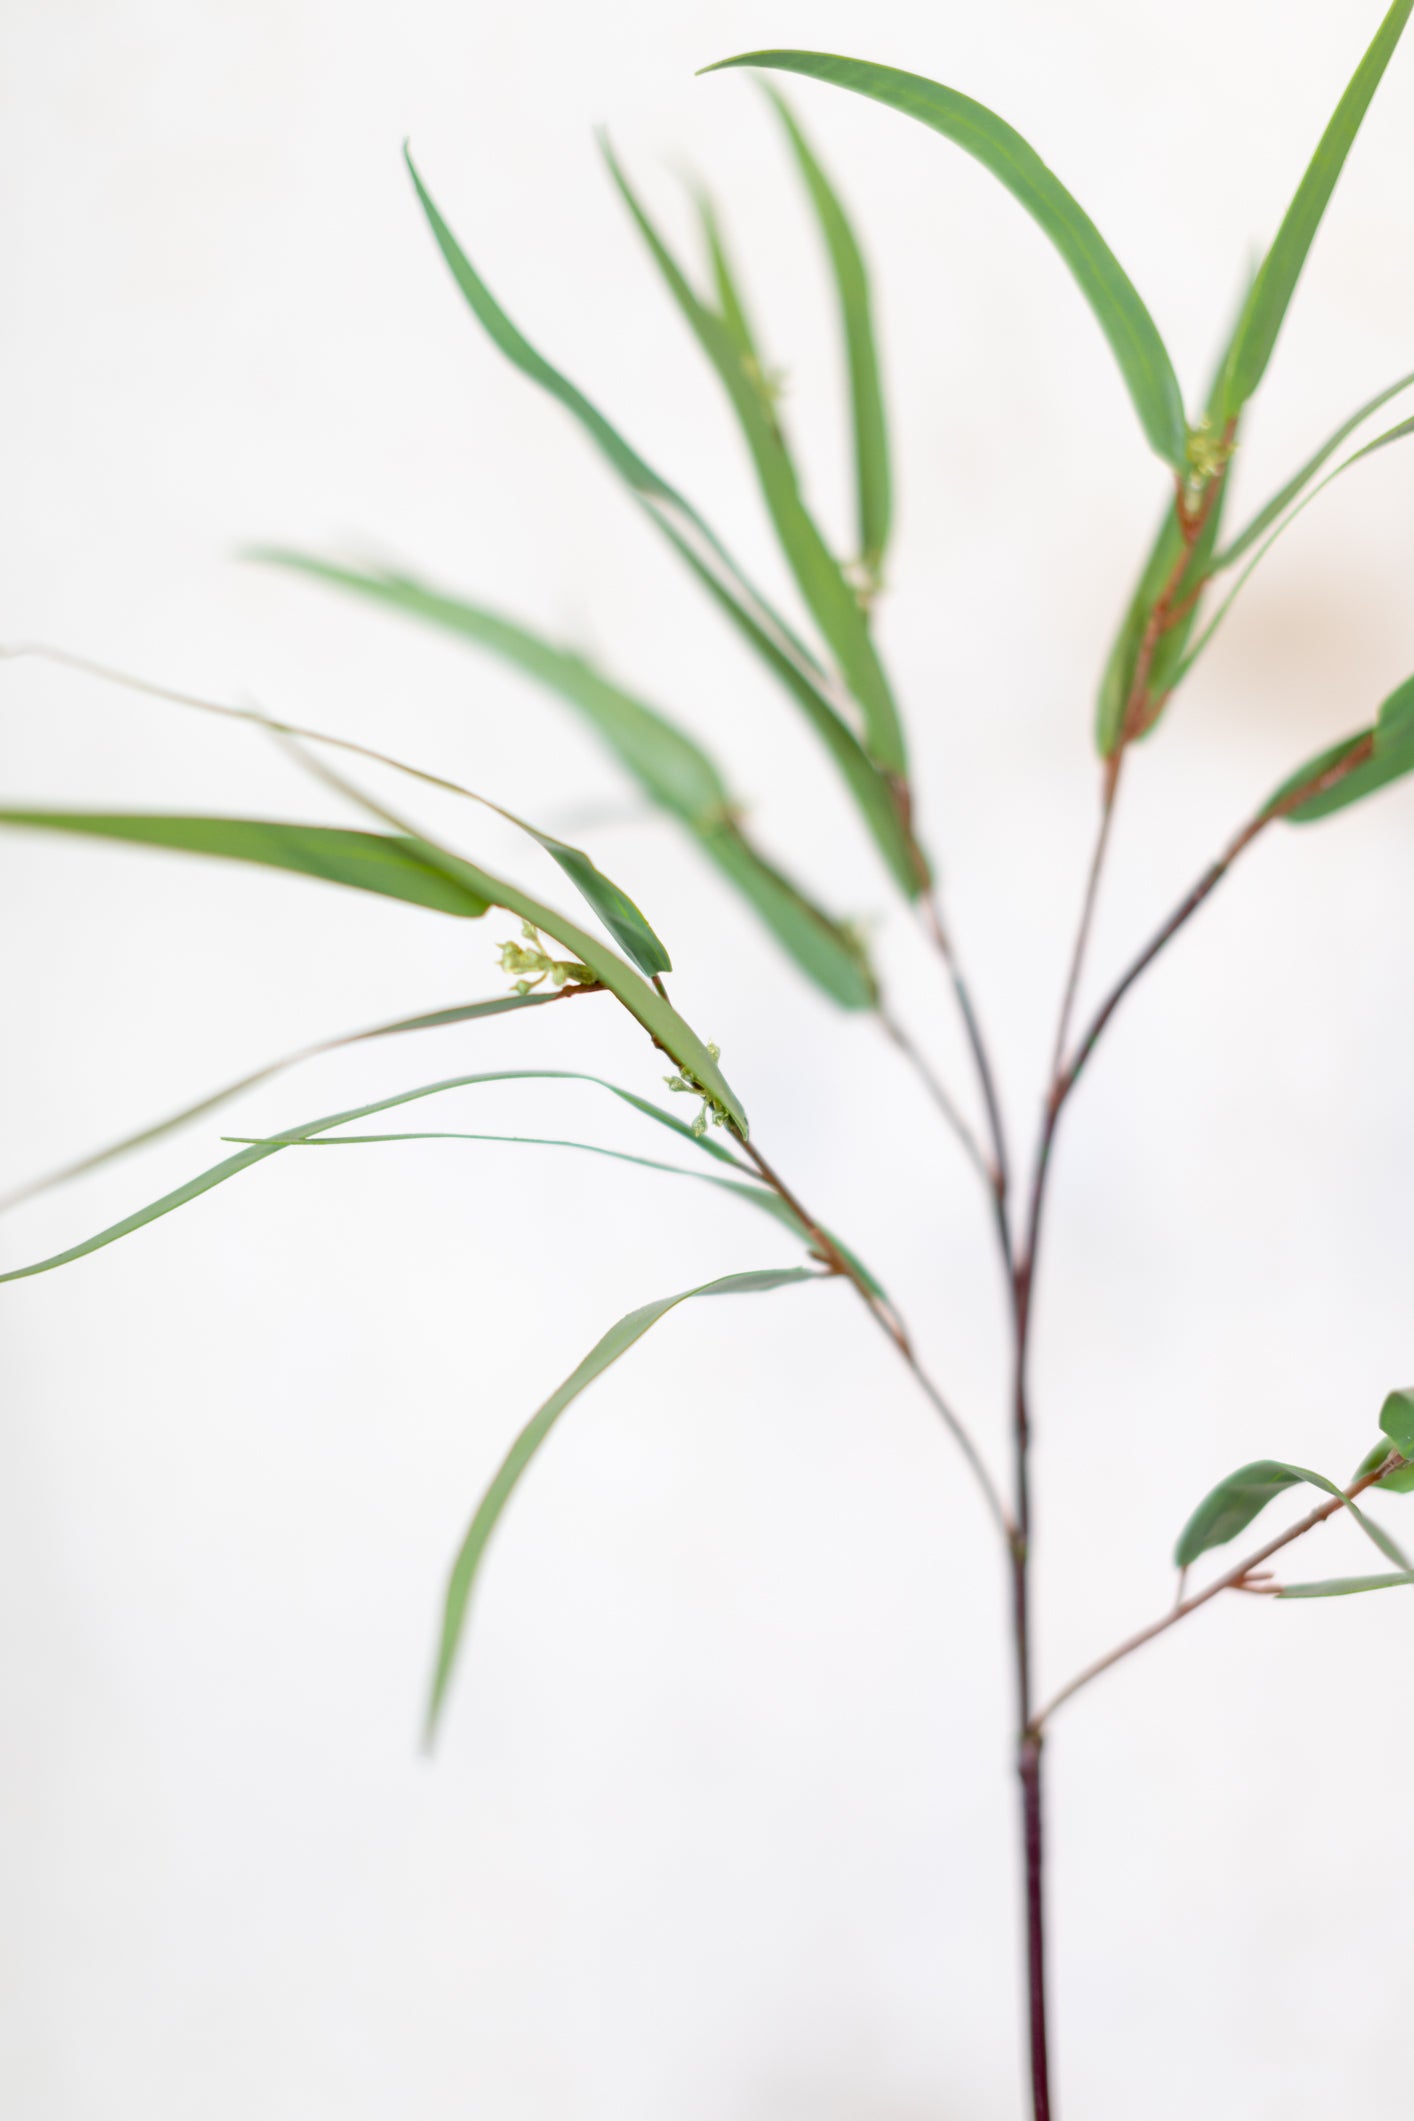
[
  {"x": 821, "y": 580},
  {"x": 365, "y": 861},
  {"x": 1281, "y": 269},
  {"x": 616, "y": 1342},
  {"x": 1231, "y": 1506},
  {"x": 436, "y": 1020},
  {"x": 1397, "y": 1421},
  {"x": 1262, "y": 522},
  {"x": 674, "y": 769},
  {"x": 1134, "y": 339},
  {"x": 872, "y": 478},
  {"x": 293, "y": 1137}
]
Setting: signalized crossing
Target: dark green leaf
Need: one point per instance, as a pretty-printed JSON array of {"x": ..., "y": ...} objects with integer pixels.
[
  {"x": 616, "y": 1342},
  {"x": 676, "y": 772},
  {"x": 1231, "y": 1506},
  {"x": 873, "y": 483},
  {"x": 821, "y": 580},
  {"x": 1142, "y": 356},
  {"x": 1344, "y": 1586},
  {"x": 366, "y": 861},
  {"x": 1281, "y": 269},
  {"x": 1262, "y": 522}
]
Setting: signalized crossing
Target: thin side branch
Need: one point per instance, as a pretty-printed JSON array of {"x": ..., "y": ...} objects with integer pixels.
[
  {"x": 1244, "y": 1576},
  {"x": 940, "y": 1097}
]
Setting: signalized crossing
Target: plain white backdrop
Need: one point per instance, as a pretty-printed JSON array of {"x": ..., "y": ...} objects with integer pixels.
[{"x": 721, "y": 1827}]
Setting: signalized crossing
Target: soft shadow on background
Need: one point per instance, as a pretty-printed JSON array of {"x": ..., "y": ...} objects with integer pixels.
[{"x": 721, "y": 1824}]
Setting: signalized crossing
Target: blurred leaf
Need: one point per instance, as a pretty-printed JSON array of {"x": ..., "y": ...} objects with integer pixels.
[
  {"x": 821, "y": 580},
  {"x": 1397, "y": 1421},
  {"x": 1142, "y": 356},
  {"x": 1392, "y": 434},
  {"x": 1262, "y": 522},
  {"x": 365, "y": 861},
  {"x": 1383, "y": 754},
  {"x": 1281, "y": 269},
  {"x": 669, "y": 510},
  {"x": 676, "y": 772},
  {"x": 293, "y": 1137},
  {"x": 730, "y": 304},
  {"x": 1343, "y": 1586},
  {"x": 616, "y": 1342},
  {"x": 437, "y": 1020},
  {"x": 1231, "y": 1506},
  {"x": 412, "y": 868},
  {"x": 873, "y": 484}
]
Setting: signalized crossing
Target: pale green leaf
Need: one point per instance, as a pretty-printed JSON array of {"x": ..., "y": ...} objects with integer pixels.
[
  {"x": 616, "y": 1342},
  {"x": 1262, "y": 522},
  {"x": 1345, "y": 1586}
]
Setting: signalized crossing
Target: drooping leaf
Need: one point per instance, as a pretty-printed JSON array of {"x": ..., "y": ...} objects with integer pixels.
[
  {"x": 746, "y": 1188},
  {"x": 821, "y": 580},
  {"x": 435, "y": 1020},
  {"x": 872, "y": 477},
  {"x": 1262, "y": 522},
  {"x": 1381, "y": 755},
  {"x": 1345, "y": 1586},
  {"x": 671, "y": 766},
  {"x": 292, "y": 1137},
  {"x": 365, "y": 861},
  {"x": 616, "y": 1342},
  {"x": 409, "y": 867},
  {"x": 1134, "y": 339},
  {"x": 1231, "y": 1506},
  {"x": 1281, "y": 269}
]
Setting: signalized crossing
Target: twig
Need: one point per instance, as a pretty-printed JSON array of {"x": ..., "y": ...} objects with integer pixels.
[
  {"x": 1237, "y": 1578},
  {"x": 940, "y": 1097}
]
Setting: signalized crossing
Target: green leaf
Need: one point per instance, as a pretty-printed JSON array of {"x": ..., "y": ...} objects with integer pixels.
[
  {"x": 730, "y": 304},
  {"x": 1382, "y": 754},
  {"x": 1392, "y": 434},
  {"x": 1397, "y": 1421},
  {"x": 1281, "y": 269},
  {"x": 293, "y": 1137},
  {"x": 1231, "y": 1506},
  {"x": 436, "y": 1020},
  {"x": 1344, "y": 1586},
  {"x": 674, "y": 770},
  {"x": 365, "y": 861},
  {"x": 1142, "y": 356},
  {"x": 1262, "y": 522},
  {"x": 821, "y": 580},
  {"x": 616, "y": 1342},
  {"x": 873, "y": 482},
  {"x": 412, "y": 868}
]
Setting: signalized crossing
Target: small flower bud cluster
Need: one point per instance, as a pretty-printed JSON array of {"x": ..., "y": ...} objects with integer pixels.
[
  {"x": 688, "y": 1082},
  {"x": 535, "y": 966}
]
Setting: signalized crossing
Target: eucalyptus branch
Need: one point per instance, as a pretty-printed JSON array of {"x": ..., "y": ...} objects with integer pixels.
[{"x": 1235, "y": 1579}]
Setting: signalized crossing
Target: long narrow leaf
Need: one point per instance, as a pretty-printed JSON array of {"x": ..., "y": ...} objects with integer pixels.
[
  {"x": 405, "y": 866},
  {"x": 435, "y": 1020},
  {"x": 820, "y": 578},
  {"x": 1345, "y": 1586},
  {"x": 292, "y": 1137},
  {"x": 1281, "y": 269},
  {"x": 1382, "y": 754},
  {"x": 616, "y": 1342},
  {"x": 1134, "y": 339},
  {"x": 1262, "y": 522},
  {"x": 677, "y": 773},
  {"x": 872, "y": 477},
  {"x": 364, "y": 861}
]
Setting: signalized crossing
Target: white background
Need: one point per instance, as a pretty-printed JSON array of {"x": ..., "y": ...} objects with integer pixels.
[{"x": 722, "y": 1822}]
